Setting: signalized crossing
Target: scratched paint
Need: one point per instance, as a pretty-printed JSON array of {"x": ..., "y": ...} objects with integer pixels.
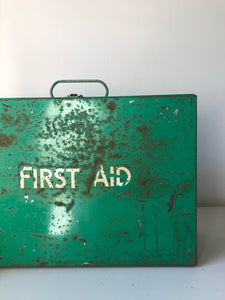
[{"x": 132, "y": 198}]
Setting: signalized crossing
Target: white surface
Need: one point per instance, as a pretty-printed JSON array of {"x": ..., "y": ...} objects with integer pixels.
[
  {"x": 206, "y": 281},
  {"x": 137, "y": 47}
]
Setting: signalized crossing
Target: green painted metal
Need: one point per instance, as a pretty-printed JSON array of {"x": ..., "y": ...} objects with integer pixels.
[{"x": 98, "y": 181}]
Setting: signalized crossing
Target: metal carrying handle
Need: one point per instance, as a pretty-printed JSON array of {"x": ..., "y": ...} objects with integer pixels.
[{"x": 79, "y": 81}]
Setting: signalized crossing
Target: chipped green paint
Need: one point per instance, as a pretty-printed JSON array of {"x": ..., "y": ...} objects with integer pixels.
[{"x": 147, "y": 220}]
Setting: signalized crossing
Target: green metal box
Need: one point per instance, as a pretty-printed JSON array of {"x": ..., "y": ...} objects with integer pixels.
[{"x": 98, "y": 181}]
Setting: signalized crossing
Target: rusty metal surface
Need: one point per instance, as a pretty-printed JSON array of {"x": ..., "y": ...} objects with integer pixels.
[{"x": 98, "y": 181}]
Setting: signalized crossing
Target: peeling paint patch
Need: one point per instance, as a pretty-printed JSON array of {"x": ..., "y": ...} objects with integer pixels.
[{"x": 176, "y": 112}]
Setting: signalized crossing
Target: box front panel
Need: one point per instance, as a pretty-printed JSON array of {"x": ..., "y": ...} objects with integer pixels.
[{"x": 98, "y": 181}]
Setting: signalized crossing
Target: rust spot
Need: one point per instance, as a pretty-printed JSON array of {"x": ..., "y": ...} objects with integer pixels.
[
  {"x": 1, "y": 258},
  {"x": 70, "y": 205},
  {"x": 163, "y": 108},
  {"x": 161, "y": 195},
  {"x": 110, "y": 234},
  {"x": 125, "y": 193},
  {"x": 111, "y": 106},
  {"x": 82, "y": 240},
  {"x": 44, "y": 263},
  {"x": 40, "y": 191},
  {"x": 4, "y": 191},
  {"x": 140, "y": 235},
  {"x": 36, "y": 235},
  {"x": 54, "y": 128},
  {"x": 5, "y": 140},
  {"x": 6, "y": 105},
  {"x": 75, "y": 237},
  {"x": 143, "y": 129},
  {"x": 59, "y": 203},
  {"x": 144, "y": 182},
  {"x": 143, "y": 205},
  {"x": 170, "y": 203},
  {"x": 183, "y": 186},
  {"x": 40, "y": 236},
  {"x": 14, "y": 235},
  {"x": 116, "y": 155},
  {"x": 112, "y": 144},
  {"x": 173, "y": 198}
]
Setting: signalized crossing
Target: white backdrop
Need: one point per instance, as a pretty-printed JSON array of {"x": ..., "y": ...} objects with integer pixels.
[{"x": 135, "y": 46}]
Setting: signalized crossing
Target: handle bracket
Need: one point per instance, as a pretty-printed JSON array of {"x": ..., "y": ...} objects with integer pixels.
[{"x": 79, "y": 81}]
